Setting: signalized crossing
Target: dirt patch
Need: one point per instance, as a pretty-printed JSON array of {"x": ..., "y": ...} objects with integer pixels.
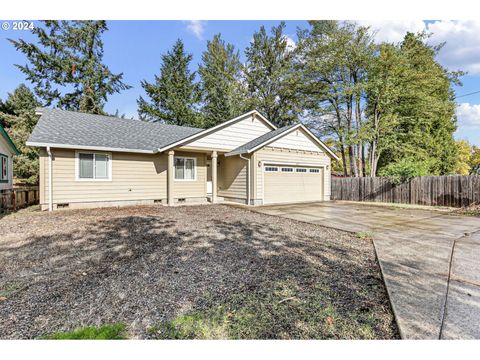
[
  {"x": 145, "y": 266},
  {"x": 472, "y": 210}
]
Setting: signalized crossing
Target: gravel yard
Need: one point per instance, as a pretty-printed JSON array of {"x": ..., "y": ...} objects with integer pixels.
[{"x": 209, "y": 271}]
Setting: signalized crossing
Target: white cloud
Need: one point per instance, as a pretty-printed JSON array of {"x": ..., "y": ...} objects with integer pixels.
[
  {"x": 468, "y": 123},
  {"x": 291, "y": 45},
  {"x": 468, "y": 115},
  {"x": 392, "y": 30},
  {"x": 197, "y": 28},
  {"x": 462, "y": 48}
]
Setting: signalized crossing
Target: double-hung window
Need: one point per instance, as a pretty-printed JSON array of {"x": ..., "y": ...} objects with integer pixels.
[
  {"x": 94, "y": 166},
  {"x": 185, "y": 168},
  {"x": 3, "y": 168}
]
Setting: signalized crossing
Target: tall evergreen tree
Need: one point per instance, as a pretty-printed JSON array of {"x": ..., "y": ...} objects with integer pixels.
[
  {"x": 270, "y": 76},
  {"x": 18, "y": 117},
  {"x": 220, "y": 73},
  {"x": 66, "y": 68},
  {"x": 425, "y": 109},
  {"x": 174, "y": 97}
]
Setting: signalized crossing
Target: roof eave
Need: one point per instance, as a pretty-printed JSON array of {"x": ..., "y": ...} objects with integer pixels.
[{"x": 88, "y": 147}]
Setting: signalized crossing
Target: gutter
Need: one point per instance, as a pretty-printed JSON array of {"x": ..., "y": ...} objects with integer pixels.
[
  {"x": 86, "y": 147},
  {"x": 248, "y": 177},
  {"x": 50, "y": 200}
]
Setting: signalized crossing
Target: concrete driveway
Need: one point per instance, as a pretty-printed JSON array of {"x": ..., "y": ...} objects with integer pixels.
[{"x": 430, "y": 262}]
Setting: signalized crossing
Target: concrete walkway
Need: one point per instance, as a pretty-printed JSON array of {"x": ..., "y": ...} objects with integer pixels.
[{"x": 430, "y": 262}]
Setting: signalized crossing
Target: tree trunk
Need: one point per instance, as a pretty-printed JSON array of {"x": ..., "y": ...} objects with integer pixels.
[
  {"x": 364, "y": 168},
  {"x": 358, "y": 118},
  {"x": 351, "y": 151},
  {"x": 353, "y": 161},
  {"x": 373, "y": 155},
  {"x": 344, "y": 161}
]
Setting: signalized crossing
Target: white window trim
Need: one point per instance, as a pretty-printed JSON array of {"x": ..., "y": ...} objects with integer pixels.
[
  {"x": 7, "y": 167},
  {"x": 77, "y": 165},
  {"x": 184, "y": 168}
]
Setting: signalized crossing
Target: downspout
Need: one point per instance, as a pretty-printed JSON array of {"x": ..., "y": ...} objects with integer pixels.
[
  {"x": 248, "y": 178},
  {"x": 50, "y": 200}
]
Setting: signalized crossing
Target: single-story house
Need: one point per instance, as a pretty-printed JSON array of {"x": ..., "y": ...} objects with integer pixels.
[
  {"x": 7, "y": 151},
  {"x": 92, "y": 161}
]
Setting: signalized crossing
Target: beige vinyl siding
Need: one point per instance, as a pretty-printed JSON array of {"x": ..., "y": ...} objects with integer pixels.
[
  {"x": 232, "y": 136},
  {"x": 134, "y": 177},
  {"x": 297, "y": 140},
  {"x": 290, "y": 157},
  {"x": 195, "y": 188},
  {"x": 5, "y": 149},
  {"x": 232, "y": 177}
]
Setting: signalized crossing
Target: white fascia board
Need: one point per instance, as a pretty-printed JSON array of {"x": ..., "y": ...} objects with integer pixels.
[
  {"x": 215, "y": 128},
  {"x": 320, "y": 142},
  {"x": 269, "y": 141},
  {"x": 81, "y": 147}
]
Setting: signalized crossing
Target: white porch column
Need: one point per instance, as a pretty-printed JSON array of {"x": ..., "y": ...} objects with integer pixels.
[
  {"x": 214, "y": 176},
  {"x": 170, "y": 171},
  {"x": 50, "y": 179}
]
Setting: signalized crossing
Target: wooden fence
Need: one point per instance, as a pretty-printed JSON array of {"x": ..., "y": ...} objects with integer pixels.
[
  {"x": 454, "y": 191},
  {"x": 13, "y": 199}
]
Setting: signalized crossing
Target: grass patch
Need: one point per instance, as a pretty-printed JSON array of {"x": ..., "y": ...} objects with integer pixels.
[
  {"x": 286, "y": 312},
  {"x": 105, "y": 332},
  {"x": 7, "y": 290}
]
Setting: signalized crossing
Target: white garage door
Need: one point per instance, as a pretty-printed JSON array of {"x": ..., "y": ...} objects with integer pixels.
[{"x": 287, "y": 184}]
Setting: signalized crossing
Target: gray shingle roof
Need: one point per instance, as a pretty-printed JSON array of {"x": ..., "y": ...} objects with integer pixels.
[
  {"x": 258, "y": 141},
  {"x": 80, "y": 129}
]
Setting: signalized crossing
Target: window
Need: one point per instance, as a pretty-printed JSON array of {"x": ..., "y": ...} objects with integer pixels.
[
  {"x": 314, "y": 170},
  {"x": 185, "y": 168},
  {"x": 94, "y": 166},
  {"x": 3, "y": 168},
  {"x": 271, "y": 168},
  {"x": 301, "y": 170},
  {"x": 287, "y": 169}
]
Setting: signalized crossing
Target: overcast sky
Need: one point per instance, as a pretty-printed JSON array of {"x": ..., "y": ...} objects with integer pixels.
[{"x": 135, "y": 48}]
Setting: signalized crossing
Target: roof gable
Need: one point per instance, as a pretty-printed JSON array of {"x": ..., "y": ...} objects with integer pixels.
[
  {"x": 224, "y": 130},
  {"x": 9, "y": 141},
  {"x": 279, "y": 137},
  {"x": 234, "y": 134}
]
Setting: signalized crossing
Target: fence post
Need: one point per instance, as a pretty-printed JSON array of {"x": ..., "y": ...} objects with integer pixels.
[{"x": 14, "y": 200}]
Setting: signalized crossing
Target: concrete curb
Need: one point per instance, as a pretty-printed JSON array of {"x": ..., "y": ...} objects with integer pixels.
[{"x": 395, "y": 316}]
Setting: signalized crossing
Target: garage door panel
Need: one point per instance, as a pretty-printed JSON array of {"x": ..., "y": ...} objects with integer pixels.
[{"x": 284, "y": 187}]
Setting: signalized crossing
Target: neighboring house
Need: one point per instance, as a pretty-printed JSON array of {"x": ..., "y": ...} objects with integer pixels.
[
  {"x": 7, "y": 151},
  {"x": 92, "y": 161}
]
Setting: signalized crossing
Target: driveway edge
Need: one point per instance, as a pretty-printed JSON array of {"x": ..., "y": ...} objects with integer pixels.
[{"x": 402, "y": 335}]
